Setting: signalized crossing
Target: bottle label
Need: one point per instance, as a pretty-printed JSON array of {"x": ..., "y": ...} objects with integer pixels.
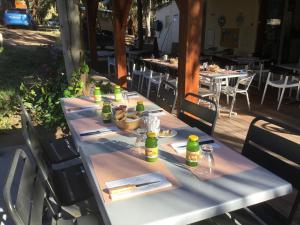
[
  {"x": 97, "y": 98},
  {"x": 152, "y": 153},
  {"x": 118, "y": 97},
  {"x": 192, "y": 157},
  {"x": 106, "y": 116}
]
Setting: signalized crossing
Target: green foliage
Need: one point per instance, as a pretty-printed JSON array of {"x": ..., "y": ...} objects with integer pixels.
[
  {"x": 1, "y": 49},
  {"x": 42, "y": 98}
]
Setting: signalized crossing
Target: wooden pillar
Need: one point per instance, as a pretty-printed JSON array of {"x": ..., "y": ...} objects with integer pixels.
[
  {"x": 92, "y": 9},
  {"x": 190, "y": 27},
  {"x": 120, "y": 14}
]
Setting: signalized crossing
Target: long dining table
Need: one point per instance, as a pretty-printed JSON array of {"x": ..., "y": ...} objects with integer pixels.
[{"x": 234, "y": 183}]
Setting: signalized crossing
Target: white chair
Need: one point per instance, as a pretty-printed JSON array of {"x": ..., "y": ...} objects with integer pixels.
[
  {"x": 136, "y": 73},
  {"x": 110, "y": 63},
  {"x": 261, "y": 71},
  {"x": 286, "y": 81},
  {"x": 152, "y": 78},
  {"x": 241, "y": 87}
]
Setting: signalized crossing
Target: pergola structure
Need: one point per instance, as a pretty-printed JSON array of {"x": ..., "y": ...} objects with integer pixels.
[{"x": 190, "y": 28}]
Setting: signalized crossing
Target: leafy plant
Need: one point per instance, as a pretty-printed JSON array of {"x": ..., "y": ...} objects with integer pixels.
[{"x": 42, "y": 98}]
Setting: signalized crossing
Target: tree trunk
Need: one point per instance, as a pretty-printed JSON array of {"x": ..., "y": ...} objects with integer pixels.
[
  {"x": 27, "y": 4},
  {"x": 13, "y": 3},
  {"x": 69, "y": 18},
  {"x": 148, "y": 19},
  {"x": 140, "y": 24}
]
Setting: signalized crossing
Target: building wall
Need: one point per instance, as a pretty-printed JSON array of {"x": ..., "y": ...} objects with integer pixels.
[
  {"x": 230, "y": 9},
  {"x": 169, "y": 16}
]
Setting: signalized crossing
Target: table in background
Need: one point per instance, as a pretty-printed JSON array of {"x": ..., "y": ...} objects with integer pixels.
[{"x": 194, "y": 199}]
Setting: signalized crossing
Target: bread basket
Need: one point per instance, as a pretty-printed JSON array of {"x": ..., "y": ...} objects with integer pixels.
[{"x": 128, "y": 124}]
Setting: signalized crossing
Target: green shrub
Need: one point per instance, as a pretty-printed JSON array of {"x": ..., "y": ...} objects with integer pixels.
[{"x": 42, "y": 98}]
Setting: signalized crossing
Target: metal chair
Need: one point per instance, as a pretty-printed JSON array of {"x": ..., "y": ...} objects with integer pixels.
[
  {"x": 241, "y": 87},
  {"x": 266, "y": 146},
  {"x": 66, "y": 182},
  {"x": 26, "y": 206},
  {"x": 202, "y": 115},
  {"x": 167, "y": 96},
  {"x": 286, "y": 81},
  {"x": 56, "y": 150}
]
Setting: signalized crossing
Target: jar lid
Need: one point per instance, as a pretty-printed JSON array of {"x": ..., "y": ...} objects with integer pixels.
[
  {"x": 117, "y": 86},
  {"x": 140, "y": 102},
  {"x": 106, "y": 104},
  {"x": 193, "y": 138},
  {"x": 97, "y": 88},
  {"x": 151, "y": 135}
]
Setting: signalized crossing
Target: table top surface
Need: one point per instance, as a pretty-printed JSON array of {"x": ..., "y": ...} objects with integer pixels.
[
  {"x": 209, "y": 74},
  {"x": 194, "y": 198},
  {"x": 291, "y": 66}
]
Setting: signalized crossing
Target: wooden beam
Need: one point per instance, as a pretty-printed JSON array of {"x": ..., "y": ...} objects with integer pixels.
[
  {"x": 92, "y": 8},
  {"x": 190, "y": 27},
  {"x": 120, "y": 14}
]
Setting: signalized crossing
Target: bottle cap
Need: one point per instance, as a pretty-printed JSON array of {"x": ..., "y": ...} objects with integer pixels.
[
  {"x": 117, "y": 86},
  {"x": 106, "y": 104},
  {"x": 193, "y": 138},
  {"x": 97, "y": 88},
  {"x": 140, "y": 102},
  {"x": 151, "y": 135}
]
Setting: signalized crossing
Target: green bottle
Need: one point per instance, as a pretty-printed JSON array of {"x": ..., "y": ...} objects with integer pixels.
[
  {"x": 97, "y": 95},
  {"x": 106, "y": 112},
  {"x": 140, "y": 107},
  {"x": 118, "y": 94},
  {"x": 192, "y": 151},
  {"x": 151, "y": 147}
]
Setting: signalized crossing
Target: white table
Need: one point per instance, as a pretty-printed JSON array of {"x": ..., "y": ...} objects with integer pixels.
[
  {"x": 217, "y": 78},
  {"x": 293, "y": 66},
  {"x": 194, "y": 199}
]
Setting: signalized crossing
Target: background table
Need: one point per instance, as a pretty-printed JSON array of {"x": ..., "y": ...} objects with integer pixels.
[{"x": 194, "y": 199}]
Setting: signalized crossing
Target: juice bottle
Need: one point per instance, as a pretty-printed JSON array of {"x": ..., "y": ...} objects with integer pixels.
[
  {"x": 192, "y": 151},
  {"x": 151, "y": 147},
  {"x": 106, "y": 112},
  {"x": 97, "y": 95},
  {"x": 118, "y": 94},
  {"x": 140, "y": 107}
]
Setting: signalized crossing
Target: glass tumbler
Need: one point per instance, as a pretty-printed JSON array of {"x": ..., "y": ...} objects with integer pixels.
[{"x": 206, "y": 161}]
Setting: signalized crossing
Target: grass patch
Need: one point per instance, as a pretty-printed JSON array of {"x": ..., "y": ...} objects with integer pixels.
[{"x": 19, "y": 64}]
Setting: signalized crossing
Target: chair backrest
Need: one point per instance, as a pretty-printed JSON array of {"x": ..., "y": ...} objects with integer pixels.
[
  {"x": 245, "y": 82},
  {"x": 167, "y": 96},
  {"x": 202, "y": 115},
  {"x": 23, "y": 193},
  {"x": 267, "y": 144},
  {"x": 33, "y": 143}
]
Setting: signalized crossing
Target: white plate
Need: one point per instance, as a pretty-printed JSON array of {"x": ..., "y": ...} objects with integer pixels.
[{"x": 173, "y": 134}]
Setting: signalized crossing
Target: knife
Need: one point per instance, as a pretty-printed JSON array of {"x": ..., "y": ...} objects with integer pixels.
[
  {"x": 128, "y": 187},
  {"x": 79, "y": 108},
  {"x": 95, "y": 132}
]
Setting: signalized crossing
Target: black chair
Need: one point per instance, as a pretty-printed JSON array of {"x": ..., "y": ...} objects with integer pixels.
[
  {"x": 55, "y": 150},
  {"x": 265, "y": 146},
  {"x": 66, "y": 183},
  {"x": 167, "y": 96},
  {"x": 24, "y": 196},
  {"x": 202, "y": 115}
]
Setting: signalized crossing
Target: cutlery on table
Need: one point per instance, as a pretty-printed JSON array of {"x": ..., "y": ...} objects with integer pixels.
[
  {"x": 200, "y": 143},
  {"x": 94, "y": 132},
  {"x": 80, "y": 108},
  {"x": 128, "y": 187}
]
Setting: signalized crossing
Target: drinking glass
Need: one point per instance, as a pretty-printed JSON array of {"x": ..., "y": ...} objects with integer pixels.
[
  {"x": 125, "y": 97},
  {"x": 206, "y": 162}
]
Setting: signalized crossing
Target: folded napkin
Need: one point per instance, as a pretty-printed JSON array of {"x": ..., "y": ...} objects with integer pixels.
[
  {"x": 98, "y": 131},
  {"x": 138, "y": 185},
  {"x": 82, "y": 108}
]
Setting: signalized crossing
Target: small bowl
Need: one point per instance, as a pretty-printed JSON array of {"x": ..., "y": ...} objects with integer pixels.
[{"x": 129, "y": 124}]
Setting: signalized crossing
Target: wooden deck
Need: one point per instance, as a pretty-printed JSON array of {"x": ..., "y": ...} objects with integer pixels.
[{"x": 233, "y": 131}]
